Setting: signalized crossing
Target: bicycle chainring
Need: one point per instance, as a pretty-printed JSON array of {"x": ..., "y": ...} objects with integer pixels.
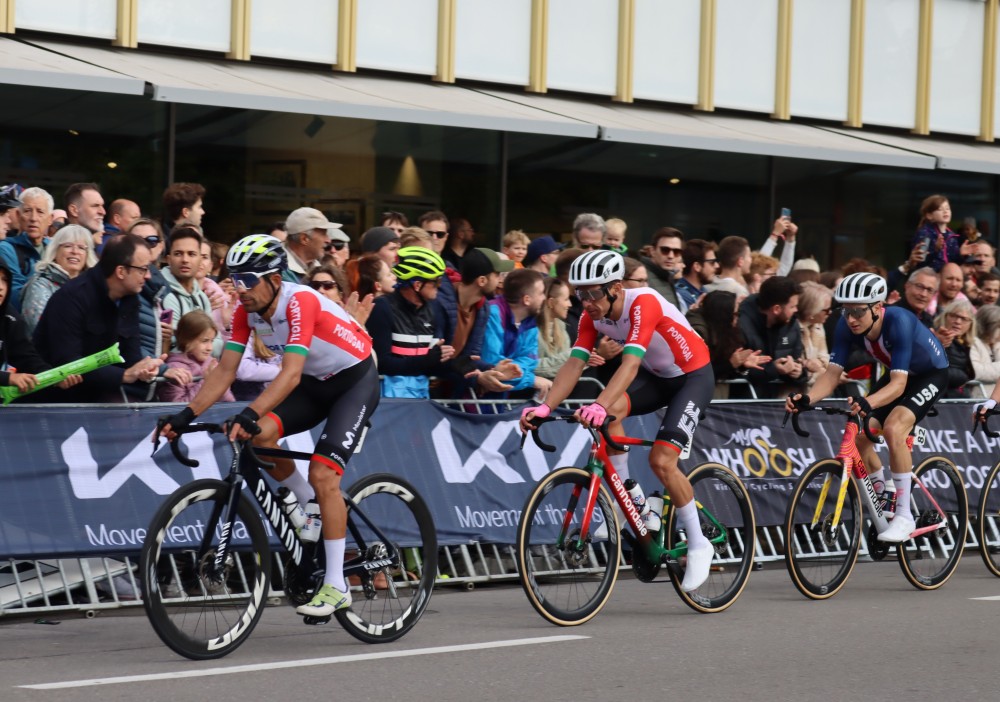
[
  {"x": 878, "y": 550},
  {"x": 299, "y": 585},
  {"x": 644, "y": 569}
]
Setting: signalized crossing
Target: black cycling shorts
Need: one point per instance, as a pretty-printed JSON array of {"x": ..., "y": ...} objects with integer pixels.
[
  {"x": 346, "y": 401},
  {"x": 684, "y": 397},
  {"x": 919, "y": 395}
]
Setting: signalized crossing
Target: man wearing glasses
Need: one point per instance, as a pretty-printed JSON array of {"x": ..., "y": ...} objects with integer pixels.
[
  {"x": 701, "y": 263},
  {"x": 327, "y": 375},
  {"x": 98, "y": 308},
  {"x": 918, "y": 375},
  {"x": 665, "y": 262},
  {"x": 435, "y": 223},
  {"x": 919, "y": 290},
  {"x": 310, "y": 233},
  {"x": 589, "y": 230}
]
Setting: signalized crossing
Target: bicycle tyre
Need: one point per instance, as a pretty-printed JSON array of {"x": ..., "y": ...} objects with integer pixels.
[
  {"x": 399, "y": 597},
  {"x": 196, "y": 616},
  {"x": 929, "y": 561},
  {"x": 988, "y": 522},
  {"x": 726, "y": 498},
  {"x": 566, "y": 585},
  {"x": 818, "y": 560}
]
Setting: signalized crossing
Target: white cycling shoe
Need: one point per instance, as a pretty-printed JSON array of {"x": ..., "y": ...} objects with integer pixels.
[
  {"x": 699, "y": 564},
  {"x": 899, "y": 530}
]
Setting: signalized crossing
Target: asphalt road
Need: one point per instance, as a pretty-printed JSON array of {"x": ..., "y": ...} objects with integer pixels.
[{"x": 879, "y": 639}]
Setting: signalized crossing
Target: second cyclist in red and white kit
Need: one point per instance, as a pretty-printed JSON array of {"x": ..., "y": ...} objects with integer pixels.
[{"x": 665, "y": 364}]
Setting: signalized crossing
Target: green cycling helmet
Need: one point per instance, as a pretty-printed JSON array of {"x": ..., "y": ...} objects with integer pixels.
[{"x": 418, "y": 263}]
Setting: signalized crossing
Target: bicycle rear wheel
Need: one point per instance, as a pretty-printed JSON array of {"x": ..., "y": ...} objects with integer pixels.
[
  {"x": 197, "y": 609},
  {"x": 929, "y": 560},
  {"x": 567, "y": 581},
  {"x": 819, "y": 555},
  {"x": 395, "y": 596},
  {"x": 725, "y": 511},
  {"x": 988, "y": 522}
]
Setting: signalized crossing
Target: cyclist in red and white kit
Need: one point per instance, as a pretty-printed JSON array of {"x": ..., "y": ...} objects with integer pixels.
[
  {"x": 665, "y": 364},
  {"x": 327, "y": 373}
]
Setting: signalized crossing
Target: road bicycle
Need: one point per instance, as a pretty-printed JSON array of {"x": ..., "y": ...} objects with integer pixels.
[
  {"x": 988, "y": 509},
  {"x": 823, "y": 521},
  {"x": 206, "y": 564},
  {"x": 568, "y": 546}
]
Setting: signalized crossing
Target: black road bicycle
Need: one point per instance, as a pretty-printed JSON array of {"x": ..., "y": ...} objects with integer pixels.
[{"x": 206, "y": 562}]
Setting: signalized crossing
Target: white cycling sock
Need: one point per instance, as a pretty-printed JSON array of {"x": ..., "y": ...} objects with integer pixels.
[
  {"x": 902, "y": 482},
  {"x": 334, "y": 549},
  {"x": 620, "y": 462},
  {"x": 300, "y": 487},
  {"x": 688, "y": 517}
]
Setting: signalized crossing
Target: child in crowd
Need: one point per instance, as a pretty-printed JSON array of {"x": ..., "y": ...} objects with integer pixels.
[
  {"x": 195, "y": 335},
  {"x": 515, "y": 246},
  {"x": 614, "y": 237}
]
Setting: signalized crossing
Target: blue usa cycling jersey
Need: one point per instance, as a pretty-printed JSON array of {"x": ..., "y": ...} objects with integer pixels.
[{"x": 905, "y": 345}]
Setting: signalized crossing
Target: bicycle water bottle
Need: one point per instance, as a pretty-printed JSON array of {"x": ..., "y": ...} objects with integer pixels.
[
  {"x": 313, "y": 527},
  {"x": 889, "y": 500},
  {"x": 634, "y": 490},
  {"x": 291, "y": 507},
  {"x": 652, "y": 517}
]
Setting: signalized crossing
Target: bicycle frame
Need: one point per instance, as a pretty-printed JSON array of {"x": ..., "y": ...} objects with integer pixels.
[
  {"x": 854, "y": 466},
  {"x": 599, "y": 466}
]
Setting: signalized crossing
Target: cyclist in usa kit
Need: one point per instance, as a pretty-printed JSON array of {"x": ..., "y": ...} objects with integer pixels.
[
  {"x": 918, "y": 374},
  {"x": 665, "y": 364},
  {"x": 327, "y": 374}
]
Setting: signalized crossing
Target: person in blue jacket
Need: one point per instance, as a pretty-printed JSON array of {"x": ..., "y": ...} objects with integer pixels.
[{"x": 511, "y": 329}]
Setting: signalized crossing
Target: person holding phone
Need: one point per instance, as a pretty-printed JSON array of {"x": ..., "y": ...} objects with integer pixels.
[{"x": 783, "y": 229}]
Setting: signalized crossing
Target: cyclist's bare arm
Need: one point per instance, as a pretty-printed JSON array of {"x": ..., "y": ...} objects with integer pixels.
[
  {"x": 565, "y": 380},
  {"x": 620, "y": 381},
  {"x": 892, "y": 391},
  {"x": 281, "y": 387}
]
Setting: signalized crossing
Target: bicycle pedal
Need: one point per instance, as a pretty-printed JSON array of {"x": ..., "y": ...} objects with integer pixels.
[{"x": 315, "y": 621}]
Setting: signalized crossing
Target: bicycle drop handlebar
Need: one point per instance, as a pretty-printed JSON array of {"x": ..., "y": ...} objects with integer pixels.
[
  {"x": 864, "y": 422},
  {"x": 601, "y": 431},
  {"x": 984, "y": 419},
  {"x": 211, "y": 428}
]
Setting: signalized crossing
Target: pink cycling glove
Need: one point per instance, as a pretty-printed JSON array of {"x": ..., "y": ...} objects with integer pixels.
[
  {"x": 595, "y": 414},
  {"x": 541, "y": 412}
]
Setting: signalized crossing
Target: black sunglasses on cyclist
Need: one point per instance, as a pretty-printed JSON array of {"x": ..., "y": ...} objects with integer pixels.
[
  {"x": 247, "y": 281},
  {"x": 591, "y": 295},
  {"x": 854, "y": 312},
  {"x": 323, "y": 285}
]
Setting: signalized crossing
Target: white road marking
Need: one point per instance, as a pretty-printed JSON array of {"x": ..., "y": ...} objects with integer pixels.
[
  {"x": 992, "y": 598},
  {"x": 278, "y": 665}
]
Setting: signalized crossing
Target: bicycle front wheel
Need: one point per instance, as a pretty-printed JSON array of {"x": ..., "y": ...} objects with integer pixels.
[
  {"x": 988, "y": 522},
  {"x": 392, "y": 600},
  {"x": 727, "y": 521},
  {"x": 567, "y": 579},
  {"x": 820, "y": 551},
  {"x": 937, "y": 498},
  {"x": 199, "y": 608}
]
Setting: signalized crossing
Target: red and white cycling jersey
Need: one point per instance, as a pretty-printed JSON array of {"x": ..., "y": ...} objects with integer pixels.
[
  {"x": 309, "y": 324},
  {"x": 651, "y": 328}
]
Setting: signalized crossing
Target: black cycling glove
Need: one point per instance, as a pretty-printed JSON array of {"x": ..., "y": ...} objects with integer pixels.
[
  {"x": 247, "y": 419},
  {"x": 177, "y": 421}
]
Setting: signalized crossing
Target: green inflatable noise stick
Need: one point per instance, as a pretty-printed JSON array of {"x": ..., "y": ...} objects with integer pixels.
[{"x": 107, "y": 357}]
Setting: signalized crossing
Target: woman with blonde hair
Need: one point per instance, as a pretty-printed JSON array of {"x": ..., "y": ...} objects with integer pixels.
[
  {"x": 553, "y": 340},
  {"x": 985, "y": 351},
  {"x": 815, "y": 305},
  {"x": 68, "y": 254},
  {"x": 955, "y": 325}
]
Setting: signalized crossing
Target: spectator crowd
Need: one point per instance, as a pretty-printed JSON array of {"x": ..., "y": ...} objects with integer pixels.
[{"x": 449, "y": 319}]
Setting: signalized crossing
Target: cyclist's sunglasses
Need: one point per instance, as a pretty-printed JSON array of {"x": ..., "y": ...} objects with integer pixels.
[
  {"x": 854, "y": 312},
  {"x": 591, "y": 295},
  {"x": 247, "y": 281}
]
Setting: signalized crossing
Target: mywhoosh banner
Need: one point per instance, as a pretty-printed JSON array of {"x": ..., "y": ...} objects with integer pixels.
[{"x": 80, "y": 481}]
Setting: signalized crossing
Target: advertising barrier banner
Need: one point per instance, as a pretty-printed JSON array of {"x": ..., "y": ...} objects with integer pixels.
[{"x": 81, "y": 481}]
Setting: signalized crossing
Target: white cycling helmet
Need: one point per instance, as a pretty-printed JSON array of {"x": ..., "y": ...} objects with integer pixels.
[
  {"x": 597, "y": 268},
  {"x": 861, "y": 289}
]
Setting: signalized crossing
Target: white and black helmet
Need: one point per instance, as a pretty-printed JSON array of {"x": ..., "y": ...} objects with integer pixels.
[
  {"x": 861, "y": 289},
  {"x": 597, "y": 268}
]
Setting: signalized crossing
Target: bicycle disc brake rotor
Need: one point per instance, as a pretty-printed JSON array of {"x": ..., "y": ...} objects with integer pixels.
[
  {"x": 928, "y": 518},
  {"x": 712, "y": 532},
  {"x": 209, "y": 576},
  {"x": 574, "y": 552}
]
